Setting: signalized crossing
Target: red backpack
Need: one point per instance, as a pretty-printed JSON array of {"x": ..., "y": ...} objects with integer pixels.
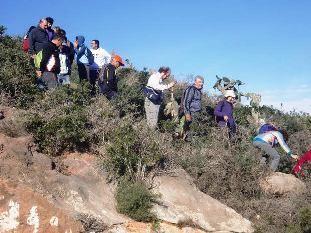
[{"x": 25, "y": 45}]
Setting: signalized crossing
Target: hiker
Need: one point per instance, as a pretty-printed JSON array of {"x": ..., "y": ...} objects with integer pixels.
[
  {"x": 83, "y": 58},
  {"x": 49, "y": 29},
  {"x": 65, "y": 67},
  {"x": 101, "y": 58},
  {"x": 224, "y": 113},
  {"x": 266, "y": 142},
  {"x": 25, "y": 42},
  {"x": 303, "y": 160},
  {"x": 155, "y": 86},
  {"x": 190, "y": 106},
  {"x": 37, "y": 38},
  {"x": 108, "y": 81},
  {"x": 48, "y": 64}
]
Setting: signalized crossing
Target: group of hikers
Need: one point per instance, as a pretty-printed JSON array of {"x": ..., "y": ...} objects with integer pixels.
[{"x": 53, "y": 54}]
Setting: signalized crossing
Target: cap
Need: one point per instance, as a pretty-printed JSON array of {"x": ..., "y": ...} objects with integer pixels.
[
  {"x": 118, "y": 59},
  {"x": 229, "y": 93}
]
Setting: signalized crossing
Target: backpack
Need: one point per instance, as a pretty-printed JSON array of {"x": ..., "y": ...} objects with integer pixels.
[
  {"x": 38, "y": 59},
  {"x": 266, "y": 128},
  {"x": 89, "y": 55},
  {"x": 25, "y": 45},
  {"x": 153, "y": 95}
]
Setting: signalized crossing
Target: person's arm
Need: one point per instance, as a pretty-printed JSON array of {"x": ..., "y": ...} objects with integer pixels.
[
  {"x": 282, "y": 143},
  {"x": 218, "y": 110},
  {"x": 31, "y": 46},
  {"x": 80, "y": 51},
  {"x": 156, "y": 83}
]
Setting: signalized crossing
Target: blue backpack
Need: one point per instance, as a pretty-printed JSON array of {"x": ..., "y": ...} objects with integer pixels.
[{"x": 266, "y": 128}]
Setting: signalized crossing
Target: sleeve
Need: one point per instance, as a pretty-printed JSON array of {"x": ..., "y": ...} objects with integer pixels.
[
  {"x": 31, "y": 43},
  {"x": 46, "y": 54},
  {"x": 80, "y": 51},
  {"x": 189, "y": 93},
  {"x": 155, "y": 82},
  {"x": 218, "y": 110},
  {"x": 282, "y": 143}
]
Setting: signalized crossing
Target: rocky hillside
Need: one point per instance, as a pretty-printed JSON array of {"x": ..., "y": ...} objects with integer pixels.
[{"x": 72, "y": 163}]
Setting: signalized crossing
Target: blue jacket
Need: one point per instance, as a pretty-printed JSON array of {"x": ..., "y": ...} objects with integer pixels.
[
  {"x": 80, "y": 51},
  {"x": 224, "y": 108},
  {"x": 192, "y": 100}
]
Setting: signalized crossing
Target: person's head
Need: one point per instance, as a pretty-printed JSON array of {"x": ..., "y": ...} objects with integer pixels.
[
  {"x": 284, "y": 133},
  {"x": 80, "y": 40},
  {"x": 57, "y": 30},
  {"x": 50, "y": 21},
  {"x": 198, "y": 82},
  {"x": 117, "y": 61},
  {"x": 43, "y": 24},
  {"x": 94, "y": 44},
  {"x": 58, "y": 39},
  {"x": 165, "y": 72},
  {"x": 230, "y": 96}
]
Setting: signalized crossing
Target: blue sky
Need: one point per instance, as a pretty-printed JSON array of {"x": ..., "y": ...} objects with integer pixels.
[{"x": 266, "y": 44}]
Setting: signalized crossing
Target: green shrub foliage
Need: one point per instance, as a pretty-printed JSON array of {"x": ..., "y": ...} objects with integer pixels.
[{"x": 135, "y": 201}]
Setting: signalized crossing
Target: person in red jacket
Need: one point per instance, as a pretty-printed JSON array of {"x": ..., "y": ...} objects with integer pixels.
[{"x": 304, "y": 159}]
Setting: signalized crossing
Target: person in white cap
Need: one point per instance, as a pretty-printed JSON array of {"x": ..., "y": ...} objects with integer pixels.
[{"x": 224, "y": 112}]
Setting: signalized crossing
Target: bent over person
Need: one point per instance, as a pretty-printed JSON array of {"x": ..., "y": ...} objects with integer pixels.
[{"x": 266, "y": 142}]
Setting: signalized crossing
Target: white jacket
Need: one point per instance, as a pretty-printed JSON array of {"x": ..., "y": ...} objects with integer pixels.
[
  {"x": 101, "y": 57},
  {"x": 155, "y": 81}
]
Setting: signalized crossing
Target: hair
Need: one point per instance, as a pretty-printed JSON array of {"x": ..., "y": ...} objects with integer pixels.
[
  {"x": 62, "y": 31},
  {"x": 164, "y": 69},
  {"x": 50, "y": 20},
  {"x": 41, "y": 20},
  {"x": 285, "y": 134},
  {"x": 58, "y": 36},
  {"x": 96, "y": 42},
  {"x": 57, "y": 30},
  {"x": 198, "y": 77}
]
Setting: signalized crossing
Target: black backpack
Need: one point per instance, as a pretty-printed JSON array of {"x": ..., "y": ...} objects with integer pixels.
[{"x": 181, "y": 109}]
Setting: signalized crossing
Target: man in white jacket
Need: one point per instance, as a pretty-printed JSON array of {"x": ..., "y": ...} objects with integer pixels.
[
  {"x": 155, "y": 82},
  {"x": 101, "y": 58}
]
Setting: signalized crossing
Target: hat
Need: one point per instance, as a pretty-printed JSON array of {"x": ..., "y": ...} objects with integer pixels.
[
  {"x": 229, "y": 93},
  {"x": 118, "y": 59}
]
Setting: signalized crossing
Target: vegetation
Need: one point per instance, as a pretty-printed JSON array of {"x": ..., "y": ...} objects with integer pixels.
[{"x": 67, "y": 118}]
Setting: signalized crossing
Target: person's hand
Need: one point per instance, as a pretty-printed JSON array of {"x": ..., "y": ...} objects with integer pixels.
[
  {"x": 38, "y": 73},
  {"x": 33, "y": 56},
  {"x": 172, "y": 84},
  {"x": 75, "y": 44},
  {"x": 226, "y": 118},
  {"x": 188, "y": 117},
  {"x": 296, "y": 157}
]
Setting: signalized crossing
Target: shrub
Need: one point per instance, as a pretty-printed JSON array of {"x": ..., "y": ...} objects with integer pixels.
[
  {"x": 135, "y": 201},
  {"x": 17, "y": 76}
]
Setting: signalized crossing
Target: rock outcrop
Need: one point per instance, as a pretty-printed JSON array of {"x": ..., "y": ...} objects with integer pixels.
[
  {"x": 283, "y": 184},
  {"x": 183, "y": 204}
]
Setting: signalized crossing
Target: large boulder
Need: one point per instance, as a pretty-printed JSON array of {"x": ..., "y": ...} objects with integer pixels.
[
  {"x": 183, "y": 204},
  {"x": 22, "y": 210},
  {"x": 280, "y": 184}
]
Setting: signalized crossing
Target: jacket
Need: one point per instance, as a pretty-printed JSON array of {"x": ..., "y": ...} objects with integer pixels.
[
  {"x": 224, "y": 108},
  {"x": 192, "y": 100},
  {"x": 80, "y": 51},
  {"x": 108, "y": 79},
  {"x": 37, "y": 38},
  {"x": 273, "y": 138},
  {"x": 50, "y": 58}
]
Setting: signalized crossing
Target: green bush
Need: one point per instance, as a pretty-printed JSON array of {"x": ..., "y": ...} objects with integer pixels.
[
  {"x": 17, "y": 76},
  {"x": 132, "y": 151},
  {"x": 135, "y": 201}
]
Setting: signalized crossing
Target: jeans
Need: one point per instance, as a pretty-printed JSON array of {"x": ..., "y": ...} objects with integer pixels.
[{"x": 271, "y": 152}]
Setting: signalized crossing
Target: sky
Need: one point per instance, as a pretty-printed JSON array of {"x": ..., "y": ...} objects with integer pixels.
[{"x": 266, "y": 44}]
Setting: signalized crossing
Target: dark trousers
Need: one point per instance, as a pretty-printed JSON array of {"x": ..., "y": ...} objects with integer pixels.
[{"x": 84, "y": 72}]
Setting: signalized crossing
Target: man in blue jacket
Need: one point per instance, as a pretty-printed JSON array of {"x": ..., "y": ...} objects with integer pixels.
[
  {"x": 191, "y": 103},
  {"x": 224, "y": 113},
  {"x": 82, "y": 58}
]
